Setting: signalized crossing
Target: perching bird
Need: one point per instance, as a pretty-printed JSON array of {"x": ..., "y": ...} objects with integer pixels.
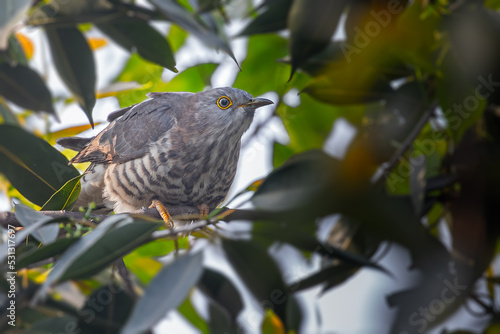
[{"x": 179, "y": 149}]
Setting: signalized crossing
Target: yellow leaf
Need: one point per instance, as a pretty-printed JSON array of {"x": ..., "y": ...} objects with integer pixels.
[
  {"x": 96, "y": 42},
  {"x": 26, "y": 44},
  {"x": 272, "y": 324},
  {"x": 68, "y": 132},
  {"x": 145, "y": 268}
]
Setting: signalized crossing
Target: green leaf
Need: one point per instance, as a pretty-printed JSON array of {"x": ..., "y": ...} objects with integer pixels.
[
  {"x": 174, "y": 281},
  {"x": 263, "y": 51},
  {"x": 33, "y": 167},
  {"x": 74, "y": 62},
  {"x": 312, "y": 24},
  {"x": 20, "y": 237},
  {"x": 299, "y": 182},
  {"x": 11, "y": 12},
  {"x": 27, "y": 217},
  {"x": 222, "y": 291},
  {"x": 113, "y": 237},
  {"x": 65, "y": 196},
  {"x": 180, "y": 16},
  {"x": 137, "y": 35},
  {"x": 248, "y": 259},
  {"x": 7, "y": 116},
  {"x": 191, "y": 315},
  {"x": 274, "y": 18},
  {"x": 44, "y": 252},
  {"x": 25, "y": 87},
  {"x": 332, "y": 275}
]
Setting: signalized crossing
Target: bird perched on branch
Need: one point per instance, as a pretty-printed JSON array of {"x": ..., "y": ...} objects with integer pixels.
[{"x": 174, "y": 150}]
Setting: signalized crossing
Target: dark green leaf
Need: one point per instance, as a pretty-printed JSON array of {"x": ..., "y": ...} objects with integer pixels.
[
  {"x": 180, "y": 16},
  {"x": 333, "y": 275},
  {"x": 7, "y": 116},
  {"x": 260, "y": 273},
  {"x": 274, "y": 18},
  {"x": 27, "y": 217},
  {"x": 281, "y": 153},
  {"x": 418, "y": 182},
  {"x": 174, "y": 281},
  {"x": 114, "y": 307},
  {"x": 33, "y": 167},
  {"x": 218, "y": 288},
  {"x": 74, "y": 62},
  {"x": 312, "y": 24},
  {"x": 54, "y": 324},
  {"x": 24, "y": 87},
  {"x": 65, "y": 196},
  {"x": 113, "y": 237},
  {"x": 220, "y": 321},
  {"x": 44, "y": 252},
  {"x": 137, "y": 35},
  {"x": 20, "y": 237},
  {"x": 298, "y": 182},
  {"x": 16, "y": 52}
]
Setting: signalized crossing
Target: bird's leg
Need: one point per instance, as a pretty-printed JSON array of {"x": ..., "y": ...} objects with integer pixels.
[
  {"x": 162, "y": 210},
  {"x": 204, "y": 210}
]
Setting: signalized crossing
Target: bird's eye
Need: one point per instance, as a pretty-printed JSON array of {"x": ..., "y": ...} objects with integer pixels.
[{"x": 224, "y": 102}]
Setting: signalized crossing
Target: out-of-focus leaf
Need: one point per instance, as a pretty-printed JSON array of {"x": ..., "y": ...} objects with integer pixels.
[
  {"x": 65, "y": 196},
  {"x": 113, "y": 237},
  {"x": 96, "y": 43},
  {"x": 68, "y": 132},
  {"x": 418, "y": 183},
  {"x": 26, "y": 45},
  {"x": 11, "y": 12},
  {"x": 174, "y": 280},
  {"x": 20, "y": 236},
  {"x": 263, "y": 51},
  {"x": 176, "y": 37},
  {"x": 340, "y": 87},
  {"x": 333, "y": 276},
  {"x": 281, "y": 153},
  {"x": 249, "y": 258},
  {"x": 180, "y": 16},
  {"x": 272, "y": 324},
  {"x": 15, "y": 53},
  {"x": 137, "y": 35},
  {"x": 273, "y": 18},
  {"x": 114, "y": 308},
  {"x": 298, "y": 182},
  {"x": 220, "y": 321},
  {"x": 208, "y": 5},
  {"x": 25, "y": 87},
  {"x": 27, "y": 217},
  {"x": 6, "y": 115},
  {"x": 47, "y": 251},
  {"x": 74, "y": 62},
  {"x": 189, "y": 312},
  {"x": 53, "y": 324},
  {"x": 312, "y": 24},
  {"x": 218, "y": 288},
  {"x": 33, "y": 167}
]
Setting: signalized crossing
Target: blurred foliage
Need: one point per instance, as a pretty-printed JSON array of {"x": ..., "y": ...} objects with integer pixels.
[{"x": 418, "y": 81}]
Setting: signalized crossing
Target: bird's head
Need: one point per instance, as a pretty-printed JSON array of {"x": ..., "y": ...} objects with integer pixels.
[{"x": 226, "y": 107}]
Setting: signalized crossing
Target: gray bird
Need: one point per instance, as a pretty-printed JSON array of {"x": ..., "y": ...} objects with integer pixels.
[{"x": 180, "y": 149}]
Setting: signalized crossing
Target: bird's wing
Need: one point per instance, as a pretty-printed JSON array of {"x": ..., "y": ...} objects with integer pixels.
[{"x": 128, "y": 136}]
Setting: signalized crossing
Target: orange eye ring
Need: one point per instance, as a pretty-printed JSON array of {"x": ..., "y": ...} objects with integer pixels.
[{"x": 224, "y": 102}]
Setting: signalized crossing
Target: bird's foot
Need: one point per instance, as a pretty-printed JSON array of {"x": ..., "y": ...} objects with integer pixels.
[
  {"x": 162, "y": 210},
  {"x": 204, "y": 210}
]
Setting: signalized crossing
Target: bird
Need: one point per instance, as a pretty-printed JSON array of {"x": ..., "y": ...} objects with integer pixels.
[{"x": 175, "y": 150}]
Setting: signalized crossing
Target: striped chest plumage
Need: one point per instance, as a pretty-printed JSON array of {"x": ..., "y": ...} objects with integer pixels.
[{"x": 187, "y": 175}]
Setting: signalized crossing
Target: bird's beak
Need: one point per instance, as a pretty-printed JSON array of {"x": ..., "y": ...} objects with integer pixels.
[{"x": 257, "y": 102}]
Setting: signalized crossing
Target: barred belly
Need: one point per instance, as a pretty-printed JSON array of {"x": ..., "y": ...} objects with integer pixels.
[{"x": 159, "y": 175}]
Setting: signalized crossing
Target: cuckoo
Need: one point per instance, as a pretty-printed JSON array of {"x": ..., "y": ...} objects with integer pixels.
[{"x": 174, "y": 150}]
